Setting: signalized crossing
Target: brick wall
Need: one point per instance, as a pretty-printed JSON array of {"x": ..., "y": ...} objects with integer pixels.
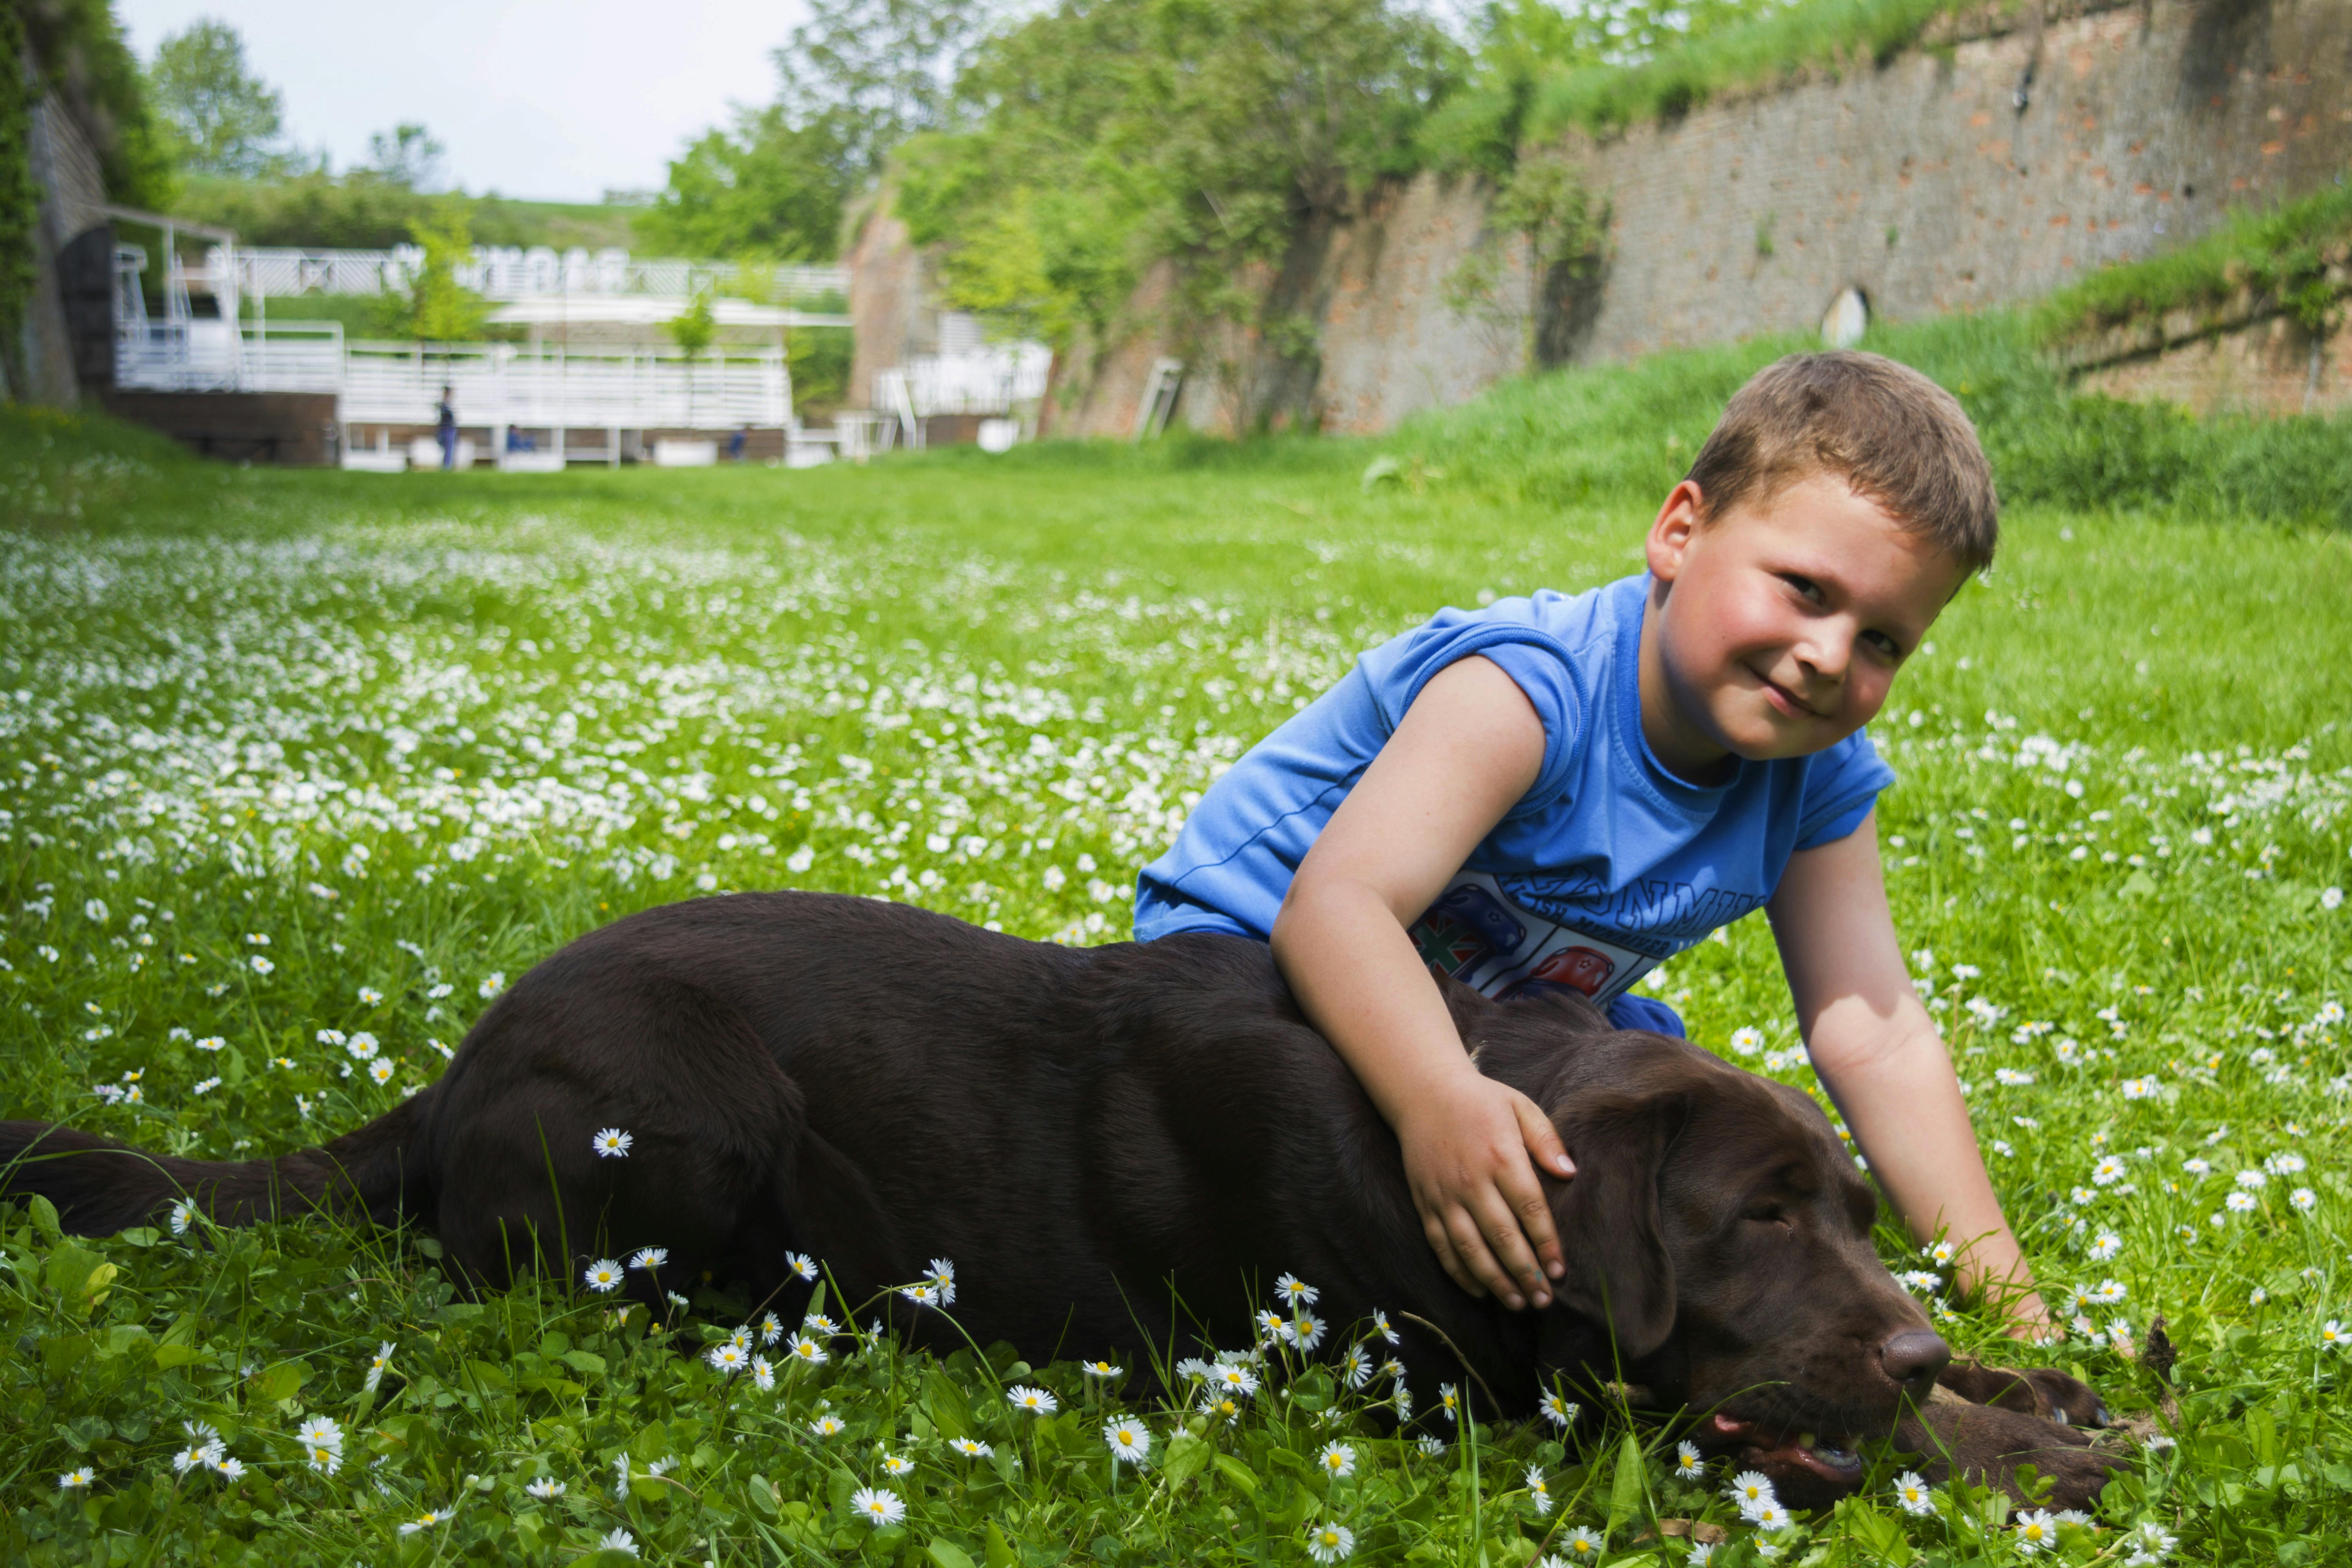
[{"x": 1921, "y": 181}]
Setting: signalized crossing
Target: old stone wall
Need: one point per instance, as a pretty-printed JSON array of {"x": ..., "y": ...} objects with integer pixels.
[
  {"x": 1997, "y": 171},
  {"x": 1988, "y": 168},
  {"x": 66, "y": 169}
]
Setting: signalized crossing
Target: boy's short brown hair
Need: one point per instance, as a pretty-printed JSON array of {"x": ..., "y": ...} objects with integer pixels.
[{"x": 1886, "y": 429}]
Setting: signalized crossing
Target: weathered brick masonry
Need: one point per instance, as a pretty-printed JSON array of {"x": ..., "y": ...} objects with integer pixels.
[{"x": 1922, "y": 181}]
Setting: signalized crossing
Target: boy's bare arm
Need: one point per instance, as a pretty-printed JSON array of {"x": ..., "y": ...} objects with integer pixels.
[
  {"x": 1465, "y": 753},
  {"x": 1879, "y": 1056}
]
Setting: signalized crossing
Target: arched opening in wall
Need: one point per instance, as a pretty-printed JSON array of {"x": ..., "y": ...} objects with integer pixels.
[{"x": 1848, "y": 317}]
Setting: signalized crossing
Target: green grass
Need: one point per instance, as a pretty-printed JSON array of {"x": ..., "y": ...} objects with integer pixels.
[
  {"x": 1480, "y": 127},
  {"x": 418, "y": 730},
  {"x": 2283, "y": 252}
]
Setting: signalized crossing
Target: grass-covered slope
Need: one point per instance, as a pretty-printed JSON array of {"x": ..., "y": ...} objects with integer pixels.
[{"x": 416, "y": 730}]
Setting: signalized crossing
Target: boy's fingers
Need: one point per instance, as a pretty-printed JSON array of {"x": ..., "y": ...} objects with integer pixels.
[
  {"x": 1544, "y": 1146},
  {"x": 1470, "y": 1246},
  {"x": 1534, "y": 1213},
  {"x": 1442, "y": 1245},
  {"x": 1528, "y": 1196},
  {"x": 1511, "y": 1242}
]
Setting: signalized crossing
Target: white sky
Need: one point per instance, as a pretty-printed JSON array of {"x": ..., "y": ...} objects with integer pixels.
[{"x": 556, "y": 99}]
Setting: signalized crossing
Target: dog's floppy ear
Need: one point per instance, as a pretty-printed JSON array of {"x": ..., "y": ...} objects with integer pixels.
[{"x": 1611, "y": 1235}]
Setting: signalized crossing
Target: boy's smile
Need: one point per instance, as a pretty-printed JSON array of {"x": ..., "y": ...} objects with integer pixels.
[{"x": 1776, "y": 629}]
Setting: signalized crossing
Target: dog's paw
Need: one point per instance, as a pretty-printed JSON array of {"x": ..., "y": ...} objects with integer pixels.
[
  {"x": 2043, "y": 1392},
  {"x": 1986, "y": 1444}
]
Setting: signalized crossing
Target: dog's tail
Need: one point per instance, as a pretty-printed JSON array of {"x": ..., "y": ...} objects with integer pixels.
[{"x": 101, "y": 1187}]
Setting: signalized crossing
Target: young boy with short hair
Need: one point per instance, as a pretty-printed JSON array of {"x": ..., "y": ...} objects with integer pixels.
[{"x": 1558, "y": 792}]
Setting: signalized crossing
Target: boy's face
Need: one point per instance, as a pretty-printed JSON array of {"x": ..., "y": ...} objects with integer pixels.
[{"x": 1783, "y": 623}]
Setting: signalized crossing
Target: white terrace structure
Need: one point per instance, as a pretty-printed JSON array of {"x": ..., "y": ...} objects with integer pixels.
[{"x": 595, "y": 378}]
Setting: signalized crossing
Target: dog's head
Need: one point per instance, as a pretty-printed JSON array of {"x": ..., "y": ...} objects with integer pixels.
[{"x": 1718, "y": 1249}]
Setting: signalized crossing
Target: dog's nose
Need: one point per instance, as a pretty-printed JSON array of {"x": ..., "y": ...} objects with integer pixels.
[{"x": 1914, "y": 1358}]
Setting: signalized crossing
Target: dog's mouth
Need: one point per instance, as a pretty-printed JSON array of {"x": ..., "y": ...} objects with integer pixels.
[{"x": 1782, "y": 1452}]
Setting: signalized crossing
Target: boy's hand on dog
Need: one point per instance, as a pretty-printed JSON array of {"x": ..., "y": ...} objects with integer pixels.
[{"x": 1470, "y": 1154}]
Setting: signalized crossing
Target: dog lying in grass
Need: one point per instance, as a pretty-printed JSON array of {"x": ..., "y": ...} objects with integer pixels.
[{"x": 1122, "y": 1147}]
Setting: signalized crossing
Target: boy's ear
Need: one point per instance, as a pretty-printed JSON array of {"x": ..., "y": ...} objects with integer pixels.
[
  {"x": 1467, "y": 1006},
  {"x": 1670, "y": 532}
]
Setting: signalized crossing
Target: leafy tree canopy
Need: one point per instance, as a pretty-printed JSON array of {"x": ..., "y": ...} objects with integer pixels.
[
  {"x": 220, "y": 118},
  {"x": 854, "y": 81}
]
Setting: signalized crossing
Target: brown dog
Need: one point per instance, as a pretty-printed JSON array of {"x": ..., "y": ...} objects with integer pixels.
[{"x": 1122, "y": 1147}]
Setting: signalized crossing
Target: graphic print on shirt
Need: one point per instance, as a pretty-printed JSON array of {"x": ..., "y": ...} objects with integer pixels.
[{"x": 1475, "y": 933}]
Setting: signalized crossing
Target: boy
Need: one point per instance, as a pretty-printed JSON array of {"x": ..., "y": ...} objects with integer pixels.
[{"x": 1558, "y": 792}]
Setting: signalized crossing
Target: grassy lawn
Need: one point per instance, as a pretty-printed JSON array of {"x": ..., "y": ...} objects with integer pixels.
[{"x": 301, "y": 768}]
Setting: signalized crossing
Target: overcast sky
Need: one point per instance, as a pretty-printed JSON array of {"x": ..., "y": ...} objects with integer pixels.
[{"x": 557, "y": 99}]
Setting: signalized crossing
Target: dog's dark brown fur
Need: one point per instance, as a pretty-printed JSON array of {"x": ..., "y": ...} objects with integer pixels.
[{"x": 1093, "y": 1136}]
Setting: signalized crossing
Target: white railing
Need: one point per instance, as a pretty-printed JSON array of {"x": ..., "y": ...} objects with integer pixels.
[
  {"x": 994, "y": 380},
  {"x": 506, "y": 272},
  {"x": 506, "y": 384},
  {"x": 492, "y": 384}
]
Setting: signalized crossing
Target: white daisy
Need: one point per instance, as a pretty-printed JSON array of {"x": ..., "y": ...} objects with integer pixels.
[
  {"x": 1234, "y": 1379},
  {"x": 1913, "y": 1494},
  {"x": 763, "y": 1376},
  {"x": 1337, "y": 1459},
  {"x": 943, "y": 1280},
  {"x": 1356, "y": 1366},
  {"x": 1329, "y": 1543},
  {"x": 1557, "y": 1409},
  {"x": 1766, "y": 1515},
  {"x": 728, "y": 1358},
  {"x": 1380, "y": 1326},
  {"x": 1036, "y": 1401},
  {"x": 1749, "y": 1487},
  {"x": 76, "y": 1479},
  {"x": 381, "y": 1364},
  {"x": 806, "y": 1349},
  {"x": 2304, "y": 1199},
  {"x": 1100, "y": 1369},
  {"x": 2332, "y": 1335},
  {"x": 427, "y": 1520},
  {"x": 971, "y": 1447},
  {"x": 1297, "y": 1291},
  {"x": 619, "y": 1540},
  {"x": 184, "y": 1214},
  {"x": 612, "y": 1144},
  {"x": 1688, "y": 1461},
  {"x": 897, "y": 1464},
  {"x": 877, "y": 1506},
  {"x": 649, "y": 1257},
  {"x": 802, "y": 1264},
  {"x": 1129, "y": 1440},
  {"x": 826, "y": 1426},
  {"x": 603, "y": 1276},
  {"x": 546, "y": 1488},
  {"x": 1583, "y": 1543},
  {"x": 1306, "y": 1329},
  {"x": 1448, "y": 1403},
  {"x": 2036, "y": 1531},
  {"x": 772, "y": 1329},
  {"x": 1539, "y": 1492}
]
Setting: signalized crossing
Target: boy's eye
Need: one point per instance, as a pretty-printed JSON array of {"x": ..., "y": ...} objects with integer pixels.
[
  {"x": 1805, "y": 587},
  {"x": 1884, "y": 644}
]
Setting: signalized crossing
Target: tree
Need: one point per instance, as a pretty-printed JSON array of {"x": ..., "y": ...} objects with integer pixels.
[
  {"x": 854, "y": 81},
  {"x": 221, "y": 119},
  {"x": 435, "y": 307},
  {"x": 875, "y": 72},
  {"x": 769, "y": 189},
  {"x": 407, "y": 155}
]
